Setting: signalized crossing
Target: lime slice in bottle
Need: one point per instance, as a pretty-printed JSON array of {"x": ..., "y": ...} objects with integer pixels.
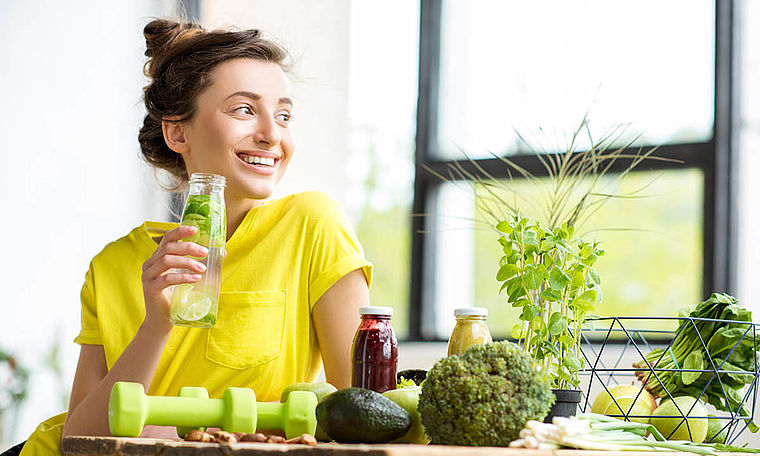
[{"x": 189, "y": 304}]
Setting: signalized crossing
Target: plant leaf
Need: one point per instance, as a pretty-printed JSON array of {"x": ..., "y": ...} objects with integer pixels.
[
  {"x": 551, "y": 295},
  {"x": 504, "y": 227},
  {"x": 581, "y": 304},
  {"x": 572, "y": 362},
  {"x": 557, "y": 324},
  {"x": 516, "y": 294},
  {"x": 529, "y": 313},
  {"x": 517, "y": 331},
  {"x": 595, "y": 276},
  {"x": 589, "y": 296},
  {"x": 507, "y": 271},
  {"x": 532, "y": 277},
  {"x": 530, "y": 238},
  {"x": 558, "y": 280},
  {"x": 695, "y": 360},
  {"x": 567, "y": 339},
  {"x": 520, "y": 302}
]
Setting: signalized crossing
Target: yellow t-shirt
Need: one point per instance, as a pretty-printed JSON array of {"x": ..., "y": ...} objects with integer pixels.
[{"x": 284, "y": 255}]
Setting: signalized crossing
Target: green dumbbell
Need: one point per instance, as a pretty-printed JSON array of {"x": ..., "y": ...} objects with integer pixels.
[
  {"x": 191, "y": 391},
  {"x": 129, "y": 409}
]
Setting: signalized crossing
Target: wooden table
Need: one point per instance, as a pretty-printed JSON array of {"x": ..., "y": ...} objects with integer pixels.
[{"x": 120, "y": 446}]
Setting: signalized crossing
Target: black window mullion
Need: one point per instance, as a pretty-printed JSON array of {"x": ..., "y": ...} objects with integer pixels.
[
  {"x": 427, "y": 123},
  {"x": 675, "y": 156},
  {"x": 720, "y": 216}
]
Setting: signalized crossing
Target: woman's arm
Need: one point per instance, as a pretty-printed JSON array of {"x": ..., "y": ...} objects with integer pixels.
[
  {"x": 88, "y": 408},
  {"x": 336, "y": 316}
]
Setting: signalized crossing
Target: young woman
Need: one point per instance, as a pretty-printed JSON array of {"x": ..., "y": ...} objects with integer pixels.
[{"x": 294, "y": 275}]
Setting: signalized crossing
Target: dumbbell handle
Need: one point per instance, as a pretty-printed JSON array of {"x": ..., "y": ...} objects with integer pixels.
[
  {"x": 270, "y": 415},
  {"x": 184, "y": 411}
]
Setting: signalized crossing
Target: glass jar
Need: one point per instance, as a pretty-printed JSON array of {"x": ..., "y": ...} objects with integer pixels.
[
  {"x": 470, "y": 329},
  {"x": 374, "y": 351},
  {"x": 195, "y": 304}
]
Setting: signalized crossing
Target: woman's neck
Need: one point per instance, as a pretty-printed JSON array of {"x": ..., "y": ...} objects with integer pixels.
[{"x": 236, "y": 212}]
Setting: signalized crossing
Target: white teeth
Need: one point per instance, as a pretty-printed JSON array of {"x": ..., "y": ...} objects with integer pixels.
[{"x": 252, "y": 159}]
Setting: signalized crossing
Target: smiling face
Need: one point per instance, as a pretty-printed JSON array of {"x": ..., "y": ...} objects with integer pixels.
[{"x": 241, "y": 128}]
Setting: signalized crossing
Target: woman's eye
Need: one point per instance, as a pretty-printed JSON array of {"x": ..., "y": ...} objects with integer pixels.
[
  {"x": 244, "y": 110},
  {"x": 284, "y": 117}
]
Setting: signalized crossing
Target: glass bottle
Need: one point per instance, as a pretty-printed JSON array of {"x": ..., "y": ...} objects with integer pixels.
[
  {"x": 375, "y": 351},
  {"x": 195, "y": 304},
  {"x": 470, "y": 329}
]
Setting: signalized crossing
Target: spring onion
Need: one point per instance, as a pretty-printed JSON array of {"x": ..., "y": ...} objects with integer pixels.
[{"x": 591, "y": 431}]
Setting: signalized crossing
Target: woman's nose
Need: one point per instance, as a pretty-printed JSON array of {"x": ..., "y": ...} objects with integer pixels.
[{"x": 267, "y": 132}]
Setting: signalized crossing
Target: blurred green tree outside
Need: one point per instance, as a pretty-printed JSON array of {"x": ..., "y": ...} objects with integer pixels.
[{"x": 384, "y": 231}]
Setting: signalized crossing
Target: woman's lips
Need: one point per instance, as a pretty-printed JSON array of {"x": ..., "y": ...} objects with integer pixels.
[{"x": 259, "y": 168}]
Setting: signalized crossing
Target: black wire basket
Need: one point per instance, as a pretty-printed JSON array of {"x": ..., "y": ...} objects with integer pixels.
[{"x": 611, "y": 345}]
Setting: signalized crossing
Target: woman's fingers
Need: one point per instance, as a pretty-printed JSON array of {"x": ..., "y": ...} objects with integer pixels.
[
  {"x": 181, "y": 232},
  {"x": 167, "y": 262},
  {"x": 169, "y": 245},
  {"x": 185, "y": 248},
  {"x": 175, "y": 278}
]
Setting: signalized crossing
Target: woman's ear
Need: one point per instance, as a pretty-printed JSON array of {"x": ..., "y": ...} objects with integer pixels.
[{"x": 174, "y": 135}]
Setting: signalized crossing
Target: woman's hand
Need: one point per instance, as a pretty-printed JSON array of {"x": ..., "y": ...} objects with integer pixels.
[{"x": 158, "y": 274}]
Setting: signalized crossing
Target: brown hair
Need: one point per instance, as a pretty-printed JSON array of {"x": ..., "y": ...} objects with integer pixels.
[{"x": 181, "y": 56}]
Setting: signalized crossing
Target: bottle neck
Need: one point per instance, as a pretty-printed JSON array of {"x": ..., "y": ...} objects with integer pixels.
[
  {"x": 206, "y": 184},
  {"x": 470, "y": 318},
  {"x": 376, "y": 317}
]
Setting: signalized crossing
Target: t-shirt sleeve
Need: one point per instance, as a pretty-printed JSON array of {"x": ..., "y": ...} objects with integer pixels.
[
  {"x": 90, "y": 333},
  {"x": 336, "y": 252}
]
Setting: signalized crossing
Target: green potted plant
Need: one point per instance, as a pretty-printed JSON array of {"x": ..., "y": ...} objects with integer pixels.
[
  {"x": 546, "y": 269},
  {"x": 552, "y": 279}
]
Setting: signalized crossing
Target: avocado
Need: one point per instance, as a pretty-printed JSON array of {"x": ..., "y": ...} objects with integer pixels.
[
  {"x": 354, "y": 415},
  {"x": 322, "y": 390}
]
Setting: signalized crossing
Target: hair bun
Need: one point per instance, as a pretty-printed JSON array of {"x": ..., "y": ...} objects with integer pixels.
[{"x": 162, "y": 34}]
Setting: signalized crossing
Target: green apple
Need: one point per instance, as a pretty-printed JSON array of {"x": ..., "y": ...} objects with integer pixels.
[
  {"x": 408, "y": 398},
  {"x": 625, "y": 395},
  {"x": 321, "y": 389},
  {"x": 715, "y": 426},
  {"x": 676, "y": 424}
]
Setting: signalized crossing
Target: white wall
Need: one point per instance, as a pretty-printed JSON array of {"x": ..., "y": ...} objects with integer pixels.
[
  {"x": 317, "y": 35},
  {"x": 70, "y": 91}
]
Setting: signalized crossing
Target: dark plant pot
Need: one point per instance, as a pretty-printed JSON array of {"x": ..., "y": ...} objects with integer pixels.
[{"x": 565, "y": 405}]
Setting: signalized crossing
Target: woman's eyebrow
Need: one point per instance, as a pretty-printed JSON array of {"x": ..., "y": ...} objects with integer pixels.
[{"x": 257, "y": 97}]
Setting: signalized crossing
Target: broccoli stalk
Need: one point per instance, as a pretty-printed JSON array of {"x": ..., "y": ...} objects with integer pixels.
[{"x": 484, "y": 397}]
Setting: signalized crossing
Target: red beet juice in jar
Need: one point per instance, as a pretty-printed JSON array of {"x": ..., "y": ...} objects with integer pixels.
[{"x": 375, "y": 351}]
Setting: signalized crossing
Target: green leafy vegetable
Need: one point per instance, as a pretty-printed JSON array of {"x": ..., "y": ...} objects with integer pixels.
[{"x": 730, "y": 360}]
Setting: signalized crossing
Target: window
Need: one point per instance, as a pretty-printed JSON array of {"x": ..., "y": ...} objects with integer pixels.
[
  {"x": 382, "y": 95},
  {"x": 491, "y": 69}
]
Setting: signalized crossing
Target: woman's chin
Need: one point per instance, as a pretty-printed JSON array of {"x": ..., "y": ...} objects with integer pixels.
[{"x": 260, "y": 192}]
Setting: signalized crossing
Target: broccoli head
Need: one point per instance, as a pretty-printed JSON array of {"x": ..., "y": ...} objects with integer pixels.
[{"x": 484, "y": 397}]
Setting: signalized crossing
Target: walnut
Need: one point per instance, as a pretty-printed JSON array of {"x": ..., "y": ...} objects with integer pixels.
[
  {"x": 223, "y": 437},
  {"x": 258, "y": 437},
  {"x": 305, "y": 439},
  {"x": 276, "y": 439},
  {"x": 196, "y": 435}
]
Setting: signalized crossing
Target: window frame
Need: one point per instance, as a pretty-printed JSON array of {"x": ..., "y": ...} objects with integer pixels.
[{"x": 715, "y": 158}]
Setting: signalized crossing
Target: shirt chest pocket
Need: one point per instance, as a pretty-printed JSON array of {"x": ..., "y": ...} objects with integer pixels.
[{"x": 249, "y": 328}]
